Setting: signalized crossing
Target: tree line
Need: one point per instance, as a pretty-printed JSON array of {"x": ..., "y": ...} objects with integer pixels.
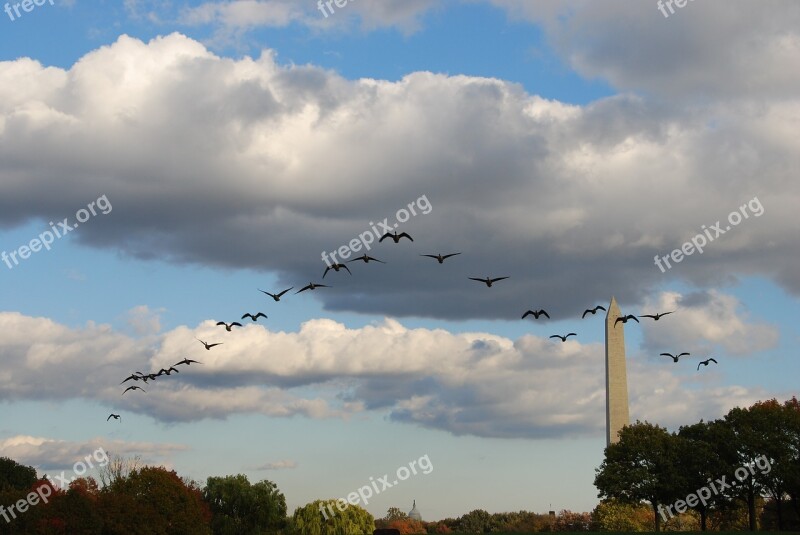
[
  {"x": 744, "y": 464},
  {"x": 741, "y": 471}
]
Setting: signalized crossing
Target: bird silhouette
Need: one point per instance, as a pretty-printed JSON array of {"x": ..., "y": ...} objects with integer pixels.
[
  {"x": 277, "y": 297},
  {"x": 188, "y": 362},
  {"x": 563, "y": 338},
  {"x": 336, "y": 268},
  {"x": 655, "y": 316},
  {"x": 396, "y": 237},
  {"x": 675, "y": 357},
  {"x": 311, "y": 286},
  {"x": 705, "y": 362},
  {"x": 367, "y": 259},
  {"x": 487, "y": 281},
  {"x": 131, "y": 377},
  {"x": 624, "y": 319},
  {"x": 593, "y": 311},
  {"x": 254, "y": 318},
  {"x": 207, "y": 345},
  {"x": 168, "y": 371},
  {"x": 133, "y": 388},
  {"x": 112, "y": 415},
  {"x": 439, "y": 257},
  {"x": 536, "y": 314},
  {"x": 229, "y": 325}
]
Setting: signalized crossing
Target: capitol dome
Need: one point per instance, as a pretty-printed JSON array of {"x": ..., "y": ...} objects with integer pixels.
[{"x": 414, "y": 514}]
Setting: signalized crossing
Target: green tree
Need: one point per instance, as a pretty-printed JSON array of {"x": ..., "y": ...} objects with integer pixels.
[
  {"x": 641, "y": 466},
  {"x": 16, "y": 476},
  {"x": 754, "y": 436},
  {"x": 792, "y": 468},
  {"x": 476, "y": 521},
  {"x": 241, "y": 508},
  {"x": 323, "y": 517},
  {"x": 702, "y": 461},
  {"x": 614, "y": 515}
]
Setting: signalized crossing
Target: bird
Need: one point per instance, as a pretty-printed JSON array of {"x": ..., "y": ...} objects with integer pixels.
[
  {"x": 169, "y": 371},
  {"x": 311, "y": 286},
  {"x": 487, "y": 281},
  {"x": 593, "y": 310},
  {"x": 254, "y": 318},
  {"x": 133, "y": 388},
  {"x": 366, "y": 259},
  {"x": 655, "y": 316},
  {"x": 705, "y": 362},
  {"x": 563, "y": 338},
  {"x": 112, "y": 415},
  {"x": 147, "y": 376},
  {"x": 440, "y": 257},
  {"x": 186, "y": 361},
  {"x": 396, "y": 237},
  {"x": 229, "y": 325},
  {"x": 131, "y": 377},
  {"x": 624, "y": 319},
  {"x": 207, "y": 345},
  {"x": 675, "y": 357},
  {"x": 277, "y": 297},
  {"x": 536, "y": 314},
  {"x": 336, "y": 268}
]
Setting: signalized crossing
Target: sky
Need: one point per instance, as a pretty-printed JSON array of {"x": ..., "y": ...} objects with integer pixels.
[{"x": 162, "y": 162}]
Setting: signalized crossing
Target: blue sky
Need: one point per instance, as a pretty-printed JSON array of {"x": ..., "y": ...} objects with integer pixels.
[{"x": 562, "y": 144}]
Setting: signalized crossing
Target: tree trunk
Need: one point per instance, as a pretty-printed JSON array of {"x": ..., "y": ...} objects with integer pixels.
[
  {"x": 655, "y": 513},
  {"x": 751, "y": 508},
  {"x": 703, "y": 518}
]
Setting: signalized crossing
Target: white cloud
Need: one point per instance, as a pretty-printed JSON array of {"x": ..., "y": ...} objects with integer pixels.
[
  {"x": 706, "y": 322},
  {"x": 611, "y": 184},
  {"x": 279, "y": 465},
  {"x": 48, "y": 454},
  {"x": 470, "y": 383}
]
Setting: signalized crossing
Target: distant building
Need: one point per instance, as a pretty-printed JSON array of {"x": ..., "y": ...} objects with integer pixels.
[
  {"x": 616, "y": 376},
  {"x": 414, "y": 514}
]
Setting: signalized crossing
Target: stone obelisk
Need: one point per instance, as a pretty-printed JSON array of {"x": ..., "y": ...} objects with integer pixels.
[{"x": 616, "y": 375}]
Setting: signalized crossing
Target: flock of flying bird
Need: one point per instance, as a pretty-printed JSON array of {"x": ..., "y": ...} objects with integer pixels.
[{"x": 440, "y": 258}]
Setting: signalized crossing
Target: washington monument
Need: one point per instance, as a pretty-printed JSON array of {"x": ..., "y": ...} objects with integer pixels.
[{"x": 616, "y": 376}]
